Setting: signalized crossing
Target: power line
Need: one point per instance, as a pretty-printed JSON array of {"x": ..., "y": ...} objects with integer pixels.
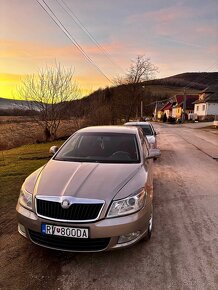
[
  {"x": 188, "y": 85},
  {"x": 69, "y": 36},
  {"x": 76, "y": 20},
  {"x": 200, "y": 78},
  {"x": 160, "y": 101}
]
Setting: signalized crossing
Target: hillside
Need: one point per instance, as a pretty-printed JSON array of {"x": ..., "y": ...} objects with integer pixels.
[
  {"x": 193, "y": 80},
  {"x": 113, "y": 104},
  {"x": 9, "y": 104}
]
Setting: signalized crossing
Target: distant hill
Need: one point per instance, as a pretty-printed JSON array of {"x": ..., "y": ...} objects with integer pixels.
[
  {"x": 113, "y": 104},
  {"x": 9, "y": 104},
  {"x": 193, "y": 80}
]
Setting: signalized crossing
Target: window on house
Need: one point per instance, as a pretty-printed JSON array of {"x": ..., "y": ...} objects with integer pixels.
[
  {"x": 197, "y": 108},
  {"x": 203, "y": 108}
]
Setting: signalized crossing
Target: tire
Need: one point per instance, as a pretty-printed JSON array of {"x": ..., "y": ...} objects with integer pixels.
[
  {"x": 149, "y": 230},
  {"x": 150, "y": 227}
]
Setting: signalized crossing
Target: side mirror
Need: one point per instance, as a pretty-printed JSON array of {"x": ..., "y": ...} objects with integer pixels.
[
  {"x": 156, "y": 133},
  {"x": 153, "y": 153},
  {"x": 53, "y": 150}
]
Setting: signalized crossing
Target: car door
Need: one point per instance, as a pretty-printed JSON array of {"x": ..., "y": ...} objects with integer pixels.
[{"x": 148, "y": 163}]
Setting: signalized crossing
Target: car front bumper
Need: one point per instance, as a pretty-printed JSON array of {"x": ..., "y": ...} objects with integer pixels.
[{"x": 29, "y": 225}]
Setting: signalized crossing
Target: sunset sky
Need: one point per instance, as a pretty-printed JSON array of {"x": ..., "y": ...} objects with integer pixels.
[{"x": 178, "y": 36}]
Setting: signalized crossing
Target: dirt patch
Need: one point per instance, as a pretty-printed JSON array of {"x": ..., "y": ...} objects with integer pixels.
[{"x": 35, "y": 267}]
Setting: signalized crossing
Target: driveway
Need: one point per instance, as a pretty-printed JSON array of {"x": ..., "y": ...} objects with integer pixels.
[{"x": 182, "y": 253}]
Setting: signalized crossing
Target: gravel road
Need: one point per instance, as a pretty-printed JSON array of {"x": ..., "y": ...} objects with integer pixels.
[{"x": 183, "y": 251}]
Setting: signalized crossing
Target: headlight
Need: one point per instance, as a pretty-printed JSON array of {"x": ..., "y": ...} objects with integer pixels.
[
  {"x": 128, "y": 205},
  {"x": 25, "y": 198}
]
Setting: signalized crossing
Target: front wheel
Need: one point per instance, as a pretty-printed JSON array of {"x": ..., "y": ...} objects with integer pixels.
[
  {"x": 150, "y": 227},
  {"x": 149, "y": 230}
]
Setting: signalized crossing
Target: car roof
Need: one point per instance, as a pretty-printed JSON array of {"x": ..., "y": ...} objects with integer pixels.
[
  {"x": 137, "y": 123},
  {"x": 110, "y": 129}
]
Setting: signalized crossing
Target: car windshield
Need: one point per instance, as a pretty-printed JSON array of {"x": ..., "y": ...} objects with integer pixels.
[{"x": 100, "y": 147}]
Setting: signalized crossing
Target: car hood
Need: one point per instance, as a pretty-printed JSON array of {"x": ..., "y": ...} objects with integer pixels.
[
  {"x": 82, "y": 180},
  {"x": 151, "y": 139}
]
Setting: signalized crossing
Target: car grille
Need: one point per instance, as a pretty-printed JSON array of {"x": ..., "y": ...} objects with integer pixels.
[
  {"x": 69, "y": 244},
  {"x": 76, "y": 212}
]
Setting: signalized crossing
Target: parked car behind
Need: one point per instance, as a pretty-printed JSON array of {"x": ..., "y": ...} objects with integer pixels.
[
  {"x": 148, "y": 131},
  {"x": 94, "y": 194}
]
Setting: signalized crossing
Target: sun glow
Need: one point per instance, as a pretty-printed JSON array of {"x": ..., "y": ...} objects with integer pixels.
[
  {"x": 8, "y": 85},
  {"x": 10, "y": 82}
]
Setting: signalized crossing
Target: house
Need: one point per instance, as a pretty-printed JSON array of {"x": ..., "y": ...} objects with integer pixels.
[
  {"x": 158, "y": 114},
  {"x": 178, "y": 104},
  {"x": 166, "y": 109},
  {"x": 206, "y": 107},
  {"x": 177, "y": 109}
]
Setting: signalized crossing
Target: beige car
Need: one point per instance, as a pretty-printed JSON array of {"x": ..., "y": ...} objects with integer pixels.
[
  {"x": 94, "y": 194},
  {"x": 148, "y": 131}
]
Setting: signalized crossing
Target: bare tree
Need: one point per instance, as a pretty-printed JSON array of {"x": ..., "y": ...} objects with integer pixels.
[
  {"x": 48, "y": 93},
  {"x": 141, "y": 70}
]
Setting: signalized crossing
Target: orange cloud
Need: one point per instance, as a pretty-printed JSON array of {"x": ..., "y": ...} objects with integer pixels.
[
  {"x": 9, "y": 48},
  {"x": 27, "y": 57}
]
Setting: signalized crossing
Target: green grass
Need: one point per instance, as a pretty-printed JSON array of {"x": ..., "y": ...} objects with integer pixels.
[{"x": 16, "y": 164}]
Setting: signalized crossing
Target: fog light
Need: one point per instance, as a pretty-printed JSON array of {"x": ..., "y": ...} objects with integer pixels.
[
  {"x": 21, "y": 230},
  {"x": 128, "y": 237}
]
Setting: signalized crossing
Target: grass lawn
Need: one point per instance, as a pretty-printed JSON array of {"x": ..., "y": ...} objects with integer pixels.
[{"x": 16, "y": 164}]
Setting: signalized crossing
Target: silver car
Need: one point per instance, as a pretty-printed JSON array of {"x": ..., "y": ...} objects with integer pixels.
[
  {"x": 148, "y": 131},
  {"x": 94, "y": 194}
]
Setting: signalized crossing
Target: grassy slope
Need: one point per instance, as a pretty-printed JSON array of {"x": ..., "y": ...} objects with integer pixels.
[
  {"x": 16, "y": 164},
  {"x": 171, "y": 90}
]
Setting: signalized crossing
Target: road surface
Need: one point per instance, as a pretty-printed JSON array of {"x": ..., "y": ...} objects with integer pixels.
[{"x": 183, "y": 251}]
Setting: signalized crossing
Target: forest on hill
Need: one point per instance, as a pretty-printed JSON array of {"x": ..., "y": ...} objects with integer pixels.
[{"x": 113, "y": 104}]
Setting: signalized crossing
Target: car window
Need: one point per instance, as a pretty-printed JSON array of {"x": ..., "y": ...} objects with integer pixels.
[
  {"x": 145, "y": 149},
  {"x": 141, "y": 134},
  {"x": 147, "y": 130},
  {"x": 144, "y": 142},
  {"x": 100, "y": 147}
]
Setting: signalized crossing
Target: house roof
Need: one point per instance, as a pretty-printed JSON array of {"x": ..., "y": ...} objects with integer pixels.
[
  {"x": 211, "y": 89},
  {"x": 179, "y": 98},
  {"x": 160, "y": 106},
  {"x": 189, "y": 101},
  {"x": 167, "y": 106},
  {"x": 211, "y": 95}
]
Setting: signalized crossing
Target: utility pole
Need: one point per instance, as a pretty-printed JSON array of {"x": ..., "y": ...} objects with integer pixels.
[
  {"x": 141, "y": 109},
  {"x": 136, "y": 112},
  {"x": 142, "y": 104},
  {"x": 155, "y": 112},
  {"x": 184, "y": 106}
]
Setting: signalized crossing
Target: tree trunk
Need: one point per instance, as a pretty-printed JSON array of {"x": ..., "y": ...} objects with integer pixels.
[{"x": 47, "y": 134}]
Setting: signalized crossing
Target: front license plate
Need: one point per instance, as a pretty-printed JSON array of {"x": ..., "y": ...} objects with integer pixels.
[{"x": 82, "y": 233}]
